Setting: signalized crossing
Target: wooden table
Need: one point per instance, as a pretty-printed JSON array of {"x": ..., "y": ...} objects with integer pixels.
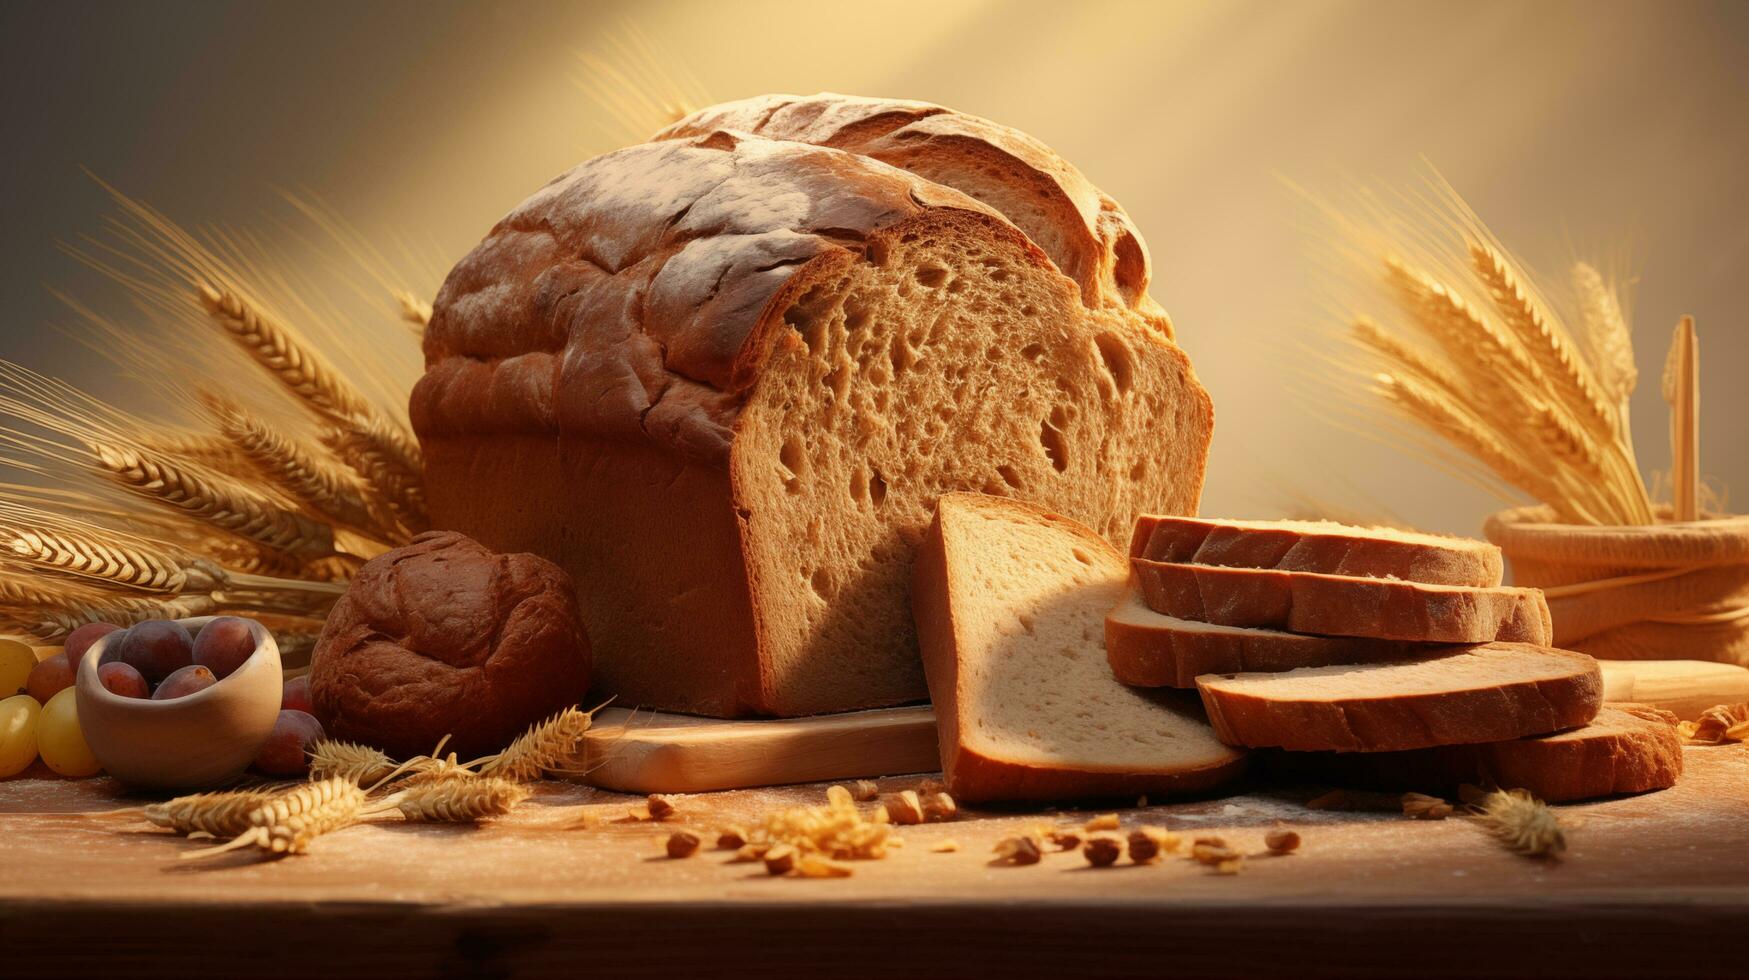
[{"x": 1656, "y": 885}]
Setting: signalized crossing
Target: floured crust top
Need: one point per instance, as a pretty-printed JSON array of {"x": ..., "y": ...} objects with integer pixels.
[
  {"x": 1085, "y": 233},
  {"x": 620, "y": 299}
]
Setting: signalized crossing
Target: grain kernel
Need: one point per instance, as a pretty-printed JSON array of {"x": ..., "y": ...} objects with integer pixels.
[
  {"x": 1102, "y": 851},
  {"x": 682, "y": 844},
  {"x": 939, "y": 807},
  {"x": 865, "y": 790},
  {"x": 731, "y": 839},
  {"x": 904, "y": 808},
  {"x": 1281, "y": 841},
  {"x": 659, "y": 806},
  {"x": 780, "y": 860},
  {"x": 818, "y": 867},
  {"x": 1019, "y": 850},
  {"x": 1105, "y": 821}
]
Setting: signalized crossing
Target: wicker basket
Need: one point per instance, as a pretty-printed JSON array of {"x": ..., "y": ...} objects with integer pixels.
[{"x": 1660, "y": 592}]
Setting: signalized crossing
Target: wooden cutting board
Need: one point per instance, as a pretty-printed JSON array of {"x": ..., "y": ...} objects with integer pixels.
[{"x": 654, "y": 752}]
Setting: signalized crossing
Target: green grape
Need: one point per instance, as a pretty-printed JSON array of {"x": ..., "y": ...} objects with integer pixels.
[
  {"x": 16, "y": 663},
  {"x": 60, "y": 741},
  {"x": 18, "y": 718}
]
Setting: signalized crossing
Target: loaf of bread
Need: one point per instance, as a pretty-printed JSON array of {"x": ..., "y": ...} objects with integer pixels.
[
  {"x": 1150, "y": 649},
  {"x": 1010, "y": 601},
  {"x": 1325, "y": 547},
  {"x": 1343, "y": 605},
  {"x": 1485, "y": 693},
  {"x": 721, "y": 378},
  {"x": 1627, "y": 748}
]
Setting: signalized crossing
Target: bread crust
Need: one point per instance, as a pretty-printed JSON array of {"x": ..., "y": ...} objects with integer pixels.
[
  {"x": 1085, "y": 233},
  {"x": 1627, "y": 748},
  {"x": 1334, "y": 550},
  {"x": 975, "y": 776},
  {"x": 1401, "y": 721},
  {"x": 1339, "y": 605},
  {"x": 1148, "y": 649}
]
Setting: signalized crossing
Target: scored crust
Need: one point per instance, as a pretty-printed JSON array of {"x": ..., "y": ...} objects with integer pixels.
[
  {"x": 1085, "y": 232},
  {"x": 967, "y": 650},
  {"x": 1325, "y": 547},
  {"x": 1485, "y": 693},
  {"x": 1627, "y": 748},
  {"x": 1150, "y": 649},
  {"x": 1343, "y": 605}
]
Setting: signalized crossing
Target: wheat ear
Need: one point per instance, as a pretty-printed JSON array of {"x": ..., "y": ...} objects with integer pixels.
[
  {"x": 286, "y": 823},
  {"x": 218, "y": 814},
  {"x": 1448, "y": 418},
  {"x": 285, "y": 355},
  {"x": 387, "y": 463},
  {"x": 1523, "y": 823},
  {"x": 299, "y": 472},
  {"x": 415, "y": 312},
  {"x": 458, "y": 800},
  {"x": 119, "y": 562},
  {"x": 210, "y": 499},
  {"x": 1546, "y": 341},
  {"x": 1607, "y": 337},
  {"x": 547, "y": 746},
  {"x": 359, "y": 764}
]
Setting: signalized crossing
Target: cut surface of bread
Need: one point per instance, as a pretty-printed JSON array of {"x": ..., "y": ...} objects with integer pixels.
[
  {"x": 1343, "y": 605},
  {"x": 1457, "y": 696},
  {"x": 1010, "y": 601},
  {"x": 1325, "y": 547},
  {"x": 1150, "y": 649},
  {"x": 721, "y": 379},
  {"x": 1627, "y": 748}
]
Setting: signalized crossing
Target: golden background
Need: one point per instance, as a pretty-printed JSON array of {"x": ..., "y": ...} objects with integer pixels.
[{"x": 1599, "y": 130}]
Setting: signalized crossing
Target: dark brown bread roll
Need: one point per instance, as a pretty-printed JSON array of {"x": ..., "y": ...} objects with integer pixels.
[{"x": 443, "y": 637}]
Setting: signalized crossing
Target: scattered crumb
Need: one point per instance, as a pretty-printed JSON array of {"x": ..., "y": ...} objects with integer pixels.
[
  {"x": 940, "y": 807},
  {"x": 945, "y": 847},
  {"x": 865, "y": 790},
  {"x": 1102, "y": 850},
  {"x": 779, "y": 860},
  {"x": 659, "y": 806},
  {"x": 1105, "y": 821},
  {"x": 1281, "y": 841},
  {"x": 818, "y": 867},
  {"x": 904, "y": 808},
  {"x": 1019, "y": 850}
]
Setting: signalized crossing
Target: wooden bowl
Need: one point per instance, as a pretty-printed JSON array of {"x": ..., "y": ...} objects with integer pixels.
[
  {"x": 192, "y": 742},
  {"x": 1667, "y": 591}
]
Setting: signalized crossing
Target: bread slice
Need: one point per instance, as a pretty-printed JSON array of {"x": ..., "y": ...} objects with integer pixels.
[
  {"x": 726, "y": 378},
  {"x": 1627, "y": 748},
  {"x": 1010, "y": 601},
  {"x": 1343, "y": 605},
  {"x": 1149, "y": 649},
  {"x": 1325, "y": 547},
  {"x": 1472, "y": 694}
]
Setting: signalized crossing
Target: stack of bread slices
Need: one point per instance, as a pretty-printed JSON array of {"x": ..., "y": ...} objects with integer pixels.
[
  {"x": 1401, "y": 651},
  {"x": 1060, "y": 667}
]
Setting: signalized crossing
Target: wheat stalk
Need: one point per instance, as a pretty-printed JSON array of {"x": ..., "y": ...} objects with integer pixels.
[
  {"x": 277, "y": 348},
  {"x": 1523, "y": 823},
  {"x": 217, "y": 814},
  {"x": 1546, "y": 340},
  {"x": 213, "y": 501},
  {"x": 547, "y": 746},
  {"x": 297, "y": 471},
  {"x": 458, "y": 800}
]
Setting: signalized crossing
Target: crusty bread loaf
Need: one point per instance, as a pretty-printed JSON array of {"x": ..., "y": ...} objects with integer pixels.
[
  {"x": 1325, "y": 547},
  {"x": 1343, "y": 605},
  {"x": 1485, "y": 693},
  {"x": 721, "y": 380},
  {"x": 1627, "y": 748},
  {"x": 1150, "y": 649},
  {"x": 1010, "y": 601}
]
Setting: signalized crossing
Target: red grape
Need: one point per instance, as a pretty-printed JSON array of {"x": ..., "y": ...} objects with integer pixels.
[
  {"x": 224, "y": 644},
  {"x": 155, "y": 648},
  {"x": 123, "y": 680},
  {"x": 49, "y": 678},
  {"x": 296, "y": 696},
  {"x": 80, "y": 640},
  {"x": 183, "y": 682},
  {"x": 286, "y": 751}
]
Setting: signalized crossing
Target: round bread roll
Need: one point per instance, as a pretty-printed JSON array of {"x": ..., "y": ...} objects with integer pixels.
[{"x": 443, "y": 637}]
